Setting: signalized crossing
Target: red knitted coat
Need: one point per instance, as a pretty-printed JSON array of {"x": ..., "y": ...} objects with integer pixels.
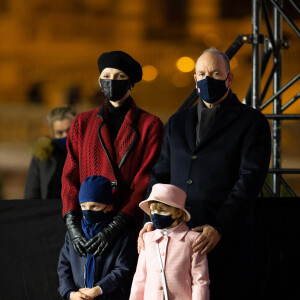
[{"x": 127, "y": 163}]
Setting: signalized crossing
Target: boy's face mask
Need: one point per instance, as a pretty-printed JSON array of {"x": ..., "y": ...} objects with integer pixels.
[
  {"x": 95, "y": 216},
  {"x": 162, "y": 221}
]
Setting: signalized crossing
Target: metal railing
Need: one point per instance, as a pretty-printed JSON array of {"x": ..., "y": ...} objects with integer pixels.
[{"x": 273, "y": 44}]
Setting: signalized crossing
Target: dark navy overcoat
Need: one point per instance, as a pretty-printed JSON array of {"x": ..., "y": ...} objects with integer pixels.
[
  {"x": 222, "y": 176},
  {"x": 113, "y": 271}
]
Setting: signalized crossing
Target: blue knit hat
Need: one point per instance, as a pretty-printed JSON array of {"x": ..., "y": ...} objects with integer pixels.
[{"x": 96, "y": 189}]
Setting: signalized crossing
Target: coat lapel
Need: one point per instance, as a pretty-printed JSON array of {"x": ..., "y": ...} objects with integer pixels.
[
  {"x": 48, "y": 171},
  {"x": 190, "y": 127},
  {"x": 225, "y": 118},
  {"x": 177, "y": 234},
  {"x": 104, "y": 136},
  {"x": 156, "y": 235},
  {"x": 127, "y": 136}
]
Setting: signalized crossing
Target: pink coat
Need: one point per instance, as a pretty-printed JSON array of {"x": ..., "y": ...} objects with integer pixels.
[{"x": 186, "y": 272}]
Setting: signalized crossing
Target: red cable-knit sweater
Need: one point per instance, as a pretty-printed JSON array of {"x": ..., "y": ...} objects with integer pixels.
[{"x": 127, "y": 163}]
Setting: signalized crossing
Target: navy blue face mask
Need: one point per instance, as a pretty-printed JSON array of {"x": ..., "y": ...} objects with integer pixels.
[
  {"x": 95, "y": 216},
  {"x": 211, "y": 90},
  {"x": 161, "y": 222},
  {"x": 114, "y": 90},
  {"x": 62, "y": 144}
]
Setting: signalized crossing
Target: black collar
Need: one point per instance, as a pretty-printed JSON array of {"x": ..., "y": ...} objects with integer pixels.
[{"x": 121, "y": 110}]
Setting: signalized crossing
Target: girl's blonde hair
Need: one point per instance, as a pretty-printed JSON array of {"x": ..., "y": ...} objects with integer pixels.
[{"x": 159, "y": 205}]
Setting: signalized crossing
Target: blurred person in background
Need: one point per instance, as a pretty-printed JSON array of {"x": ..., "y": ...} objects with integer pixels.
[
  {"x": 35, "y": 93},
  {"x": 49, "y": 155},
  {"x": 119, "y": 141}
]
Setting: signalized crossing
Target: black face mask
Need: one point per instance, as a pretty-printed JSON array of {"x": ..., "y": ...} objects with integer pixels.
[{"x": 114, "y": 90}]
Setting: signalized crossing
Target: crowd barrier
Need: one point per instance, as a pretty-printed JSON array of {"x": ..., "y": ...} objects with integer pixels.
[{"x": 32, "y": 233}]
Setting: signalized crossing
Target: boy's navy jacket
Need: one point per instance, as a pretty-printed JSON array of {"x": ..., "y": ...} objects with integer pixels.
[{"x": 113, "y": 271}]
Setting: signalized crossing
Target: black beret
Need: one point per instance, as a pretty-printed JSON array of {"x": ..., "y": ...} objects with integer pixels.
[{"x": 122, "y": 61}]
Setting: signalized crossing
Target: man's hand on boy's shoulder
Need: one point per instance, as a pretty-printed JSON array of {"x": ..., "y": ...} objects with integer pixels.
[
  {"x": 140, "y": 243},
  {"x": 207, "y": 240}
]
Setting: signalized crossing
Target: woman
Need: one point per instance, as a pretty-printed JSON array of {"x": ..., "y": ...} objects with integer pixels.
[{"x": 120, "y": 142}]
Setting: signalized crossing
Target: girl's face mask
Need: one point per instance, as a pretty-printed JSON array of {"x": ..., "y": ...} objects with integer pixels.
[{"x": 162, "y": 221}]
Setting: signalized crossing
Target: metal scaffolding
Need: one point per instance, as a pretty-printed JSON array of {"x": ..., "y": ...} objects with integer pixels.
[{"x": 271, "y": 44}]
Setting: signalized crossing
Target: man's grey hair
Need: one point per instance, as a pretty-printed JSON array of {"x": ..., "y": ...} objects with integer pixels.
[
  {"x": 60, "y": 113},
  {"x": 217, "y": 52}
]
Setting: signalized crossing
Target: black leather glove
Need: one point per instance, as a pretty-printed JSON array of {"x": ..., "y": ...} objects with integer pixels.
[
  {"x": 73, "y": 223},
  {"x": 101, "y": 241}
]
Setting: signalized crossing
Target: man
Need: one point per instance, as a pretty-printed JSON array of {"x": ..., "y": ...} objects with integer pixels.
[
  {"x": 218, "y": 152},
  {"x": 49, "y": 155},
  {"x": 60, "y": 120}
]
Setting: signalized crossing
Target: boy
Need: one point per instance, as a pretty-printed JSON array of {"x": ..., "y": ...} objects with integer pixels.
[
  {"x": 103, "y": 277},
  {"x": 168, "y": 268}
]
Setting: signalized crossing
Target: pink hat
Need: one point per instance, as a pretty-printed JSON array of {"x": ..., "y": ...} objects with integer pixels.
[{"x": 168, "y": 194}]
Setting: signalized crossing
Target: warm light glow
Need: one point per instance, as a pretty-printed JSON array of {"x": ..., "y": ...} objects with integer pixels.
[
  {"x": 233, "y": 63},
  {"x": 212, "y": 39},
  {"x": 185, "y": 64},
  {"x": 181, "y": 79},
  {"x": 149, "y": 73}
]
